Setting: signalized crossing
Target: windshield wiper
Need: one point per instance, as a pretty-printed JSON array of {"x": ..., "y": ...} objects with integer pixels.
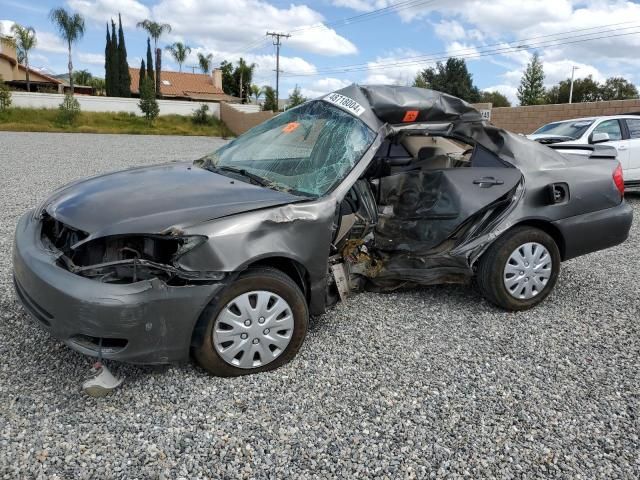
[{"x": 242, "y": 172}]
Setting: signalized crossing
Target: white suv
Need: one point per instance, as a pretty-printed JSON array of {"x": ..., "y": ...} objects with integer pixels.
[{"x": 619, "y": 131}]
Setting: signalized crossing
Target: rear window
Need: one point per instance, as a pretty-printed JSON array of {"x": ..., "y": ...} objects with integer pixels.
[
  {"x": 573, "y": 129},
  {"x": 634, "y": 127}
]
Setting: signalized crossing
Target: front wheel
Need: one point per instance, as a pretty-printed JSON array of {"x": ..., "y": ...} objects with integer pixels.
[
  {"x": 257, "y": 324},
  {"x": 520, "y": 269}
]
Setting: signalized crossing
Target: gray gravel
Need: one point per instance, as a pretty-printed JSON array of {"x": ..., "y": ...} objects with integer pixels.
[{"x": 430, "y": 382}]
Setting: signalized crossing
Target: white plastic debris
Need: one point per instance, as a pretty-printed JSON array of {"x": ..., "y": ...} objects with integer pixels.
[{"x": 101, "y": 383}]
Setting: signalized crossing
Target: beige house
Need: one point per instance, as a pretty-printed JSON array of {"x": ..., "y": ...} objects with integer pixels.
[{"x": 15, "y": 74}]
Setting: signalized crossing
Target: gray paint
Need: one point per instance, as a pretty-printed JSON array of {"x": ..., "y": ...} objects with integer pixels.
[{"x": 246, "y": 223}]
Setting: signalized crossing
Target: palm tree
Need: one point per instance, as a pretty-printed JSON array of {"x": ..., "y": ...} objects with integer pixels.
[
  {"x": 82, "y": 77},
  {"x": 71, "y": 28},
  {"x": 155, "y": 31},
  {"x": 205, "y": 62},
  {"x": 25, "y": 38},
  {"x": 179, "y": 51},
  {"x": 243, "y": 75},
  {"x": 256, "y": 91}
]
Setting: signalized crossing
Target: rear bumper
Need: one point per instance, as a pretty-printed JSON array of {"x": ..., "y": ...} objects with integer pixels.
[
  {"x": 145, "y": 322},
  {"x": 595, "y": 230}
]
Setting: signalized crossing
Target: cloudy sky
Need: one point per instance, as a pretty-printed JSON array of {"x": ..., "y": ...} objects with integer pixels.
[{"x": 336, "y": 42}]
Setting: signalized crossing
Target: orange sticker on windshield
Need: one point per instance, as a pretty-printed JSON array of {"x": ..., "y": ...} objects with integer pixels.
[
  {"x": 410, "y": 116},
  {"x": 290, "y": 127}
]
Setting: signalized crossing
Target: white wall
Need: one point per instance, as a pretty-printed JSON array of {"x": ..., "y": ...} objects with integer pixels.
[
  {"x": 108, "y": 104},
  {"x": 245, "y": 107}
]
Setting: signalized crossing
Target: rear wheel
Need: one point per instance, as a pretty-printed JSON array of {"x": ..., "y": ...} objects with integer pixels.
[
  {"x": 257, "y": 324},
  {"x": 520, "y": 269}
]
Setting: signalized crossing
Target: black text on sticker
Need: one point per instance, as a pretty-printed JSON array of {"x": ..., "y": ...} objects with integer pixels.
[{"x": 345, "y": 102}]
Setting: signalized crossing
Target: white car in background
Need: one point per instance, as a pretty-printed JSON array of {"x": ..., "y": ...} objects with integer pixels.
[{"x": 619, "y": 131}]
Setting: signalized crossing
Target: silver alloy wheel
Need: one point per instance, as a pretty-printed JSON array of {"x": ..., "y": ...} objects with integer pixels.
[
  {"x": 253, "y": 329},
  {"x": 527, "y": 271}
]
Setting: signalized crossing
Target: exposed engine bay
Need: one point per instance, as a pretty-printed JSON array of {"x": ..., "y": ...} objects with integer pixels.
[{"x": 123, "y": 259}]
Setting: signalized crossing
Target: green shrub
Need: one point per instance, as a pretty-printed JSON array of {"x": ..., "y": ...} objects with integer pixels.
[
  {"x": 68, "y": 110},
  {"x": 148, "y": 103},
  {"x": 200, "y": 116},
  {"x": 5, "y": 96}
]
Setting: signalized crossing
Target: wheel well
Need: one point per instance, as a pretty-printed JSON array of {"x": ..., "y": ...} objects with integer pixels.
[
  {"x": 551, "y": 230},
  {"x": 289, "y": 267}
]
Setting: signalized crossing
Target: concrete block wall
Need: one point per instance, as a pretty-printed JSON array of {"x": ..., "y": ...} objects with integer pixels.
[
  {"x": 240, "y": 121},
  {"x": 528, "y": 119},
  {"x": 108, "y": 104}
]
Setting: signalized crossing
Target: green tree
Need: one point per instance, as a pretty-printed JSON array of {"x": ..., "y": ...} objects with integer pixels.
[
  {"x": 115, "y": 62},
  {"x": 228, "y": 83},
  {"x": 98, "y": 85},
  {"x": 451, "y": 77},
  {"x": 155, "y": 31},
  {"x": 26, "y": 40},
  {"x": 496, "y": 98},
  {"x": 584, "y": 90},
  {"x": 124, "y": 77},
  {"x": 5, "y": 96},
  {"x": 82, "y": 77},
  {"x": 269, "y": 99},
  {"x": 150, "y": 71},
  {"x": 148, "y": 102},
  {"x": 296, "y": 98},
  {"x": 618, "y": 88},
  {"x": 142, "y": 77},
  {"x": 242, "y": 76},
  {"x": 71, "y": 28},
  {"x": 531, "y": 90},
  {"x": 108, "y": 64},
  {"x": 205, "y": 62},
  {"x": 256, "y": 91},
  {"x": 179, "y": 51}
]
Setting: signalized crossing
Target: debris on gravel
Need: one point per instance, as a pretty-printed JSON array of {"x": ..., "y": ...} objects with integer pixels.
[{"x": 424, "y": 383}]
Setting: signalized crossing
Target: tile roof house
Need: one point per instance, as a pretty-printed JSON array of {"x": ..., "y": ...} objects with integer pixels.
[
  {"x": 14, "y": 74},
  {"x": 187, "y": 86}
]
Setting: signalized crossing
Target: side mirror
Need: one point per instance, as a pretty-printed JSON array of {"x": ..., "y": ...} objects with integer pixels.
[{"x": 599, "y": 137}]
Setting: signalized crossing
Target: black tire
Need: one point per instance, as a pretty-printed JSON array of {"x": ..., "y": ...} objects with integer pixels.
[
  {"x": 491, "y": 267},
  {"x": 267, "y": 279}
]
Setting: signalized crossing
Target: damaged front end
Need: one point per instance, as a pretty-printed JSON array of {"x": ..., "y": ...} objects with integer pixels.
[{"x": 125, "y": 259}]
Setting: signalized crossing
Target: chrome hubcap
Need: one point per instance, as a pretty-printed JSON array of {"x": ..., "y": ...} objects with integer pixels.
[
  {"x": 253, "y": 329},
  {"x": 527, "y": 271}
]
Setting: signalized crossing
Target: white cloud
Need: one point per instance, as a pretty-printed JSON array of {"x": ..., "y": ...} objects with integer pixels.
[
  {"x": 50, "y": 42},
  {"x": 508, "y": 91},
  {"x": 462, "y": 49},
  {"x": 318, "y": 88},
  {"x": 385, "y": 70},
  {"x": 91, "y": 58},
  {"x": 105, "y": 10},
  {"x": 236, "y": 26},
  {"x": 450, "y": 30}
]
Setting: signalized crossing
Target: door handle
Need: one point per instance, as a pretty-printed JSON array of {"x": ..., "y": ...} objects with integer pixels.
[
  {"x": 622, "y": 147},
  {"x": 486, "y": 182}
]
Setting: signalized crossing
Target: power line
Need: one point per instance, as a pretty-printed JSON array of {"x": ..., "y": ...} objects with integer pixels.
[
  {"x": 523, "y": 45},
  {"x": 373, "y": 14}
]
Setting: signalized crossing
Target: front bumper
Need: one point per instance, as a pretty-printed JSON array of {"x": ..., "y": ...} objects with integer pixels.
[{"x": 145, "y": 322}]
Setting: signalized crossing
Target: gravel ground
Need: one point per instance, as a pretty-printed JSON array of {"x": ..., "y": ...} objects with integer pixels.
[{"x": 430, "y": 382}]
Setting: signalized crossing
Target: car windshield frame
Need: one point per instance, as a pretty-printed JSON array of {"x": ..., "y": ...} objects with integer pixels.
[
  {"x": 549, "y": 128},
  {"x": 308, "y": 150}
]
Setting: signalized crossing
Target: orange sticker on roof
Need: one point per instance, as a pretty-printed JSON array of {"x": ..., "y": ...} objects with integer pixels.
[
  {"x": 410, "y": 116},
  {"x": 290, "y": 127}
]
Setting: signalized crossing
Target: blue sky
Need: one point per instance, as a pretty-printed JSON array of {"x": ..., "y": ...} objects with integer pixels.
[{"x": 382, "y": 46}]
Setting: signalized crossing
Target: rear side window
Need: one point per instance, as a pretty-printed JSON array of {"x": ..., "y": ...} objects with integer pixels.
[
  {"x": 612, "y": 127},
  {"x": 634, "y": 127}
]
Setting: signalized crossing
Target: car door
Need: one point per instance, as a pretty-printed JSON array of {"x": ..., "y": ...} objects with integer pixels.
[
  {"x": 613, "y": 128},
  {"x": 632, "y": 173},
  {"x": 420, "y": 209}
]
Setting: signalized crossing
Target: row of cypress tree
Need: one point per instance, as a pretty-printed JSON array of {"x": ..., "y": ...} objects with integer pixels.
[
  {"x": 117, "y": 76},
  {"x": 147, "y": 73}
]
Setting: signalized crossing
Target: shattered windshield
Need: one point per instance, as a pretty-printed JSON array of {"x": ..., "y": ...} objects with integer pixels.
[
  {"x": 306, "y": 150},
  {"x": 573, "y": 129}
]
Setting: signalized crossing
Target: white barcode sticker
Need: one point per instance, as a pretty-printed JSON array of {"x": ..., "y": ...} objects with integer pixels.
[{"x": 346, "y": 103}]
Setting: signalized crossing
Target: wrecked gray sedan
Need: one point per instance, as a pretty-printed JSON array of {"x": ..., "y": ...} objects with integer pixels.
[{"x": 370, "y": 187}]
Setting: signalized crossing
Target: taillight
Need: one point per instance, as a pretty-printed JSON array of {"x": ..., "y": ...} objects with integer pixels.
[{"x": 618, "y": 179}]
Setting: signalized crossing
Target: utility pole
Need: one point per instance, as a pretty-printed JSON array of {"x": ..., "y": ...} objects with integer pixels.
[
  {"x": 277, "y": 42},
  {"x": 573, "y": 71}
]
